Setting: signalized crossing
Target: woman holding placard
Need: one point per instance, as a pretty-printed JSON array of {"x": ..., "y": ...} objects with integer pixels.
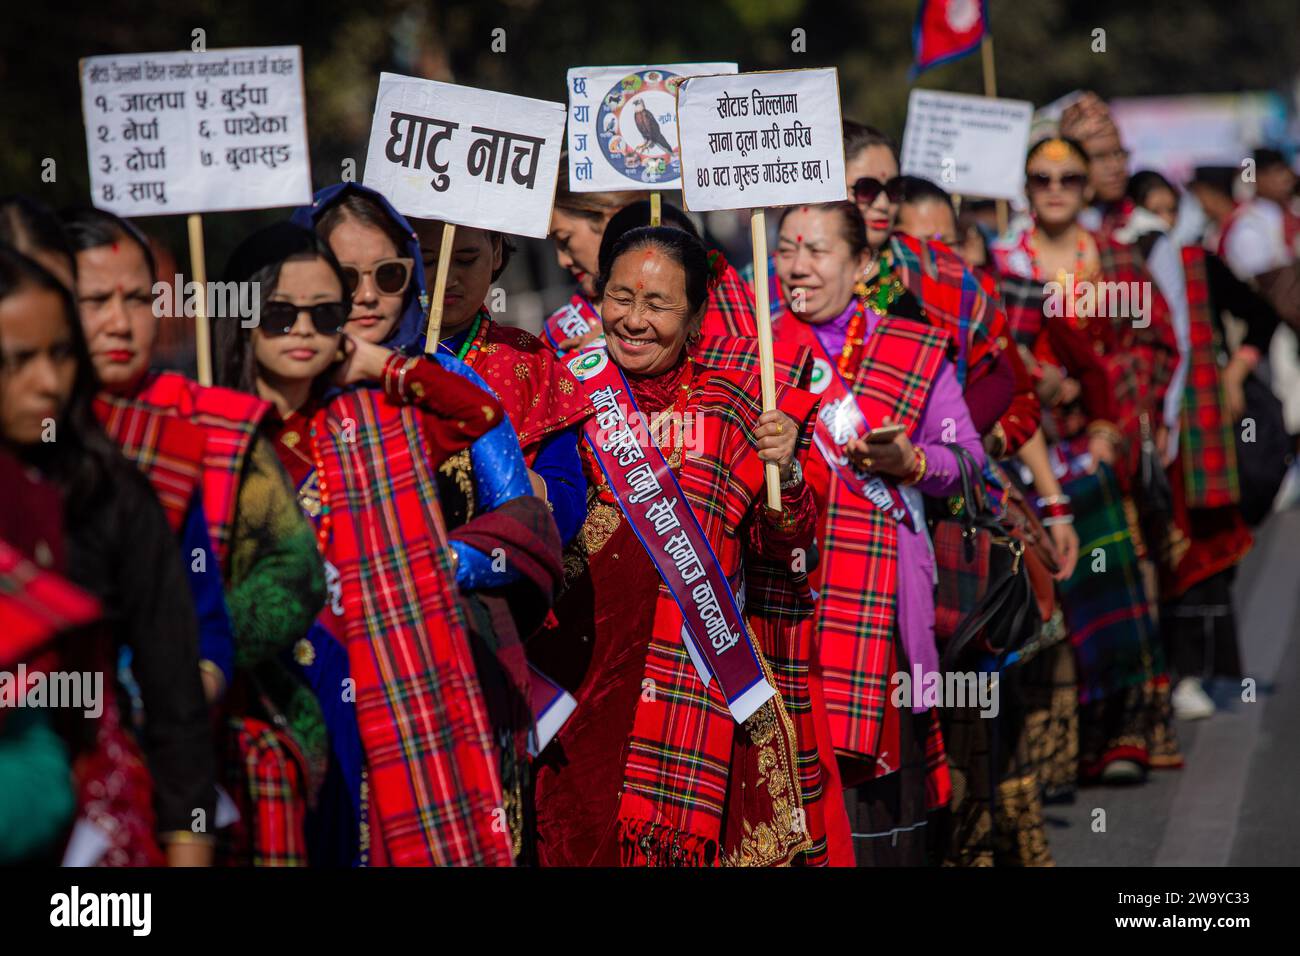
[
  {"x": 678, "y": 752},
  {"x": 899, "y": 409},
  {"x": 415, "y": 776}
]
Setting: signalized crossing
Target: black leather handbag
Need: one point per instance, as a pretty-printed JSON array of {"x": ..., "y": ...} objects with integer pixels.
[{"x": 1004, "y": 615}]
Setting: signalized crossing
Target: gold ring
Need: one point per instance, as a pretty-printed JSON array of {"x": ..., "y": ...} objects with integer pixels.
[{"x": 780, "y": 428}]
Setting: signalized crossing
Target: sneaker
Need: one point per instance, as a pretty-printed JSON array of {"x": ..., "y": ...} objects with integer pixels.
[
  {"x": 1122, "y": 771},
  {"x": 1190, "y": 701}
]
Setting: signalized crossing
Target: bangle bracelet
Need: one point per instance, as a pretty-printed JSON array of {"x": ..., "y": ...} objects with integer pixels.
[
  {"x": 387, "y": 377},
  {"x": 401, "y": 377},
  {"x": 1061, "y": 499},
  {"x": 919, "y": 467},
  {"x": 1058, "y": 519}
]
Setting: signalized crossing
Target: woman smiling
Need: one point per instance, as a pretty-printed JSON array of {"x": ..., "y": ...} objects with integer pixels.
[
  {"x": 680, "y": 751},
  {"x": 878, "y": 364}
]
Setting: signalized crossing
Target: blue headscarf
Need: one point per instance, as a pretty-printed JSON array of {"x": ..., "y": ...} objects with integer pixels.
[{"x": 408, "y": 335}]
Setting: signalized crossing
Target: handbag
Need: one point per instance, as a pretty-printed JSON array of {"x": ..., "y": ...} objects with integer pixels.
[
  {"x": 1155, "y": 497},
  {"x": 984, "y": 602},
  {"x": 1263, "y": 461}
]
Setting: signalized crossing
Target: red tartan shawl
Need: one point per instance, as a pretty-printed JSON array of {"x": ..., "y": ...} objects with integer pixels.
[
  {"x": 855, "y": 619},
  {"x": 686, "y": 751},
  {"x": 540, "y": 396},
  {"x": 169, "y": 450},
  {"x": 793, "y": 364},
  {"x": 423, "y": 723},
  {"x": 952, "y": 296},
  {"x": 1209, "y": 452},
  {"x": 36, "y": 606},
  {"x": 1154, "y": 346},
  {"x": 730, "y": 309},
  {"x": 229, "y": 420}
]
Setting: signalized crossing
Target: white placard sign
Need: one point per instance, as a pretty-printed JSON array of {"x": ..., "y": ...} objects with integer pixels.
[
  {"x": 188, "y": 132},
  {"x": 972, "y": 145},
  {"x": 761, "y": 139},
  {"x": 464, "y": 155},
  {"x": 623, "y": 125}
]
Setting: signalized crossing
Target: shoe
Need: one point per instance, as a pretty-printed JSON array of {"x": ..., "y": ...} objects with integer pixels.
[
  {"x": 1123, "y": 771},
  {"x": 1190, "y": 701}
]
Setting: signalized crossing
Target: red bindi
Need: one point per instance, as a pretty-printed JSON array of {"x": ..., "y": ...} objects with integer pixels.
[
  {"x": 798, "y": 238},
  {"x": 114, "y": 245}
]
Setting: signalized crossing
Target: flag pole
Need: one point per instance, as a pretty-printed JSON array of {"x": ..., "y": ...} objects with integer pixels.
[
  {"x": 656, "y": 208},
  {"x": 991, "y": 91}
]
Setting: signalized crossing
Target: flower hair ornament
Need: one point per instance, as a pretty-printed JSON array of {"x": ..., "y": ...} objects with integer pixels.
[{"x": 717, "y": 269}]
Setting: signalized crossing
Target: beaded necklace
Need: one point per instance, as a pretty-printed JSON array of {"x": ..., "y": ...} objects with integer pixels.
[
  {"x": 877, "y": 295},
  {"x": 326, "y": 518},
  {"x": 473, "y": 344},
  {"x": 1080, "y": 257}
]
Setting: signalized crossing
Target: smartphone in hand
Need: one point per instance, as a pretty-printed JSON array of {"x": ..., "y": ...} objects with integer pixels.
[{"x": 884, "y": 433}]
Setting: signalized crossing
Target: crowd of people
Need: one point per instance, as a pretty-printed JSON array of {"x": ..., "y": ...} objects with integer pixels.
[{"x": 526, "y": 600}]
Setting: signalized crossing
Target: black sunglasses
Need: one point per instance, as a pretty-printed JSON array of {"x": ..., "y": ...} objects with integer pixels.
[
  {"x": 866, "y": 189},
  {"x": 279, "y": 318},
  {"x": 1040, "y": 182}
]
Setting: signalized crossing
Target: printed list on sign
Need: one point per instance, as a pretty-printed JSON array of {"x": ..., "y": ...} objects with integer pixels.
[
  {"x": 972, "y": 145},
  {"x": 170, "y": 133}
]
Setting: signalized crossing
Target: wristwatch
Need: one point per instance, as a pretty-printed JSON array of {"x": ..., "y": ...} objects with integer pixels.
[{"x": 796, "y": 476}]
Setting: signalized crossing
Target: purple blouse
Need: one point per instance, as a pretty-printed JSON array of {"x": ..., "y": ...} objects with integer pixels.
[{"x": 944, "y": 420}]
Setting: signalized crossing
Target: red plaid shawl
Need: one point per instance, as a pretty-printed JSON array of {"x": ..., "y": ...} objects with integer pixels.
[
  {"x": 731, "y": 305},
  {"x": 229, "y": 420},
  {"x": 169, "y": 450},
  {"x": 687, "y": 761},
  {"x": 36, "y": 606},
  {"x": 953, "y": 298},
  {"x": 266, "y": 776},
  {"x": 793, "y": 364},
  {"x": 433, "y": 771},
  {"x": 1209, "y": 452},
  {"x": 855, "y": 618}
]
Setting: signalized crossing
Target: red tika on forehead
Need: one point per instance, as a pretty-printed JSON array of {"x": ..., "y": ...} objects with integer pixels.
[{"x": 113, "y": 245}]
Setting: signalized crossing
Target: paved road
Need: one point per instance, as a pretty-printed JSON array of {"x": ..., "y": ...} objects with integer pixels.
[{"x": 1235, "y": 801}]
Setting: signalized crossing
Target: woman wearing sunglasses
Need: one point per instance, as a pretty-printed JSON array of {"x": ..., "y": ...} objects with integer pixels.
[
  {"x": 414, "y": 775},
  {"x": 1100, "y": 432},
  {"x": 379, "y": 253}
]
